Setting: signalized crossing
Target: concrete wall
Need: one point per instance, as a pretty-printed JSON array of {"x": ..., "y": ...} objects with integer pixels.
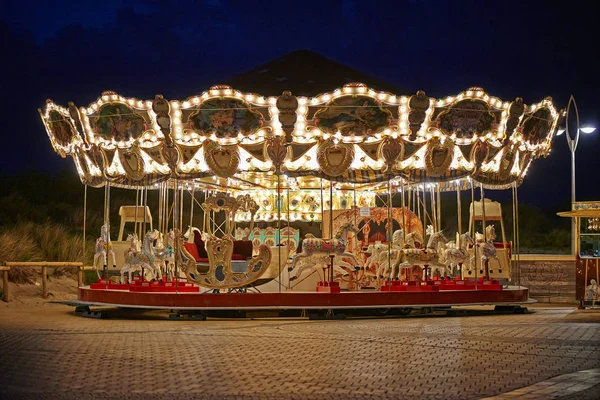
[{"x": 550, "y": 278}]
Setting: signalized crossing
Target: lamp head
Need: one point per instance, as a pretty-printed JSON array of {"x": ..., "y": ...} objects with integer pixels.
[{"x": 587, "y": 129}]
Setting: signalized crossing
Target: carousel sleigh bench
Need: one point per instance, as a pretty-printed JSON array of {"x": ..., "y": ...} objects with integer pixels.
[{"x": 242, "y": 252}]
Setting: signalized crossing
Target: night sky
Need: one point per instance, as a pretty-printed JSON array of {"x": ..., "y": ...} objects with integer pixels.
[{"x": 72, "y": 51}]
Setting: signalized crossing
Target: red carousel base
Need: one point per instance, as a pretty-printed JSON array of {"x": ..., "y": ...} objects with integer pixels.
[
  {"x": 436, "y": 285},
  {"x": 137, "y": 285},
  {"x": 328, "y": 287},
  {"x": 181, "y": 299}
]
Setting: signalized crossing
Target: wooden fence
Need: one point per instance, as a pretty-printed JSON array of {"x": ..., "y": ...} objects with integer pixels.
[{"x": 44, "y": 265}]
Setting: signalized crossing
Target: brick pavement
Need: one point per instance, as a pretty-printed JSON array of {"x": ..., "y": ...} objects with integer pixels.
[{"x": 49, "y": 352}]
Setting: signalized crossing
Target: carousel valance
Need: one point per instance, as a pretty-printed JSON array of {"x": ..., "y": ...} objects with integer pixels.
[{"x": 351, "y": 135}]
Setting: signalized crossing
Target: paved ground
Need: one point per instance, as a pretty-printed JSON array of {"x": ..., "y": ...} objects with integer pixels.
[{"x": 48, "y": 352}]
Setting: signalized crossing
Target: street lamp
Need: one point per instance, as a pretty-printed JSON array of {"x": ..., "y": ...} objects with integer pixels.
[{"x": 573, "y": 142}]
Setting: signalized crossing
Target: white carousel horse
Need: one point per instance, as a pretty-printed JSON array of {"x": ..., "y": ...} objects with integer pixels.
[
  {"x": 490, "y": 233},
  {"x": 103, "y": 249},
  {"x": 389, "y": 257},
  {"x": 336, "y": 245},
  {"x": 436, "y": 246},
  {"x": 375, "y": 250},
  {"x": 319, "y": 260},
  {"x": 134, "y": 248},
  {"x": 165, "y": 255},
  {"x": 413, "y": 240},
  {"x": 428, "y": 256},
  {"x": 454, "y": 255},
  {"x": 144, "y": 259},
  {"x": 487, "y": 250}
]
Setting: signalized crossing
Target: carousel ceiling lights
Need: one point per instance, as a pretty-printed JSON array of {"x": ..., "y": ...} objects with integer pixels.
[{"x": 353, "y": 135}]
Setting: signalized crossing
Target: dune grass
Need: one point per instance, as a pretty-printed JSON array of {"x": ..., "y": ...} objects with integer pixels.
[{"x": 27, "y": 241}]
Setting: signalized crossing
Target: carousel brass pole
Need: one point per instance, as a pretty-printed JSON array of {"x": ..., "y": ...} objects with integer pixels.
[
  {"x": 279, "y": 228},
  {"x": 433, "y": 208},
  {"x": 159, "y": 219},
  {"x": 417, "y": 202},
  {"x": 439, "y": 210},
  {"x": 514, "y": 240},
  {"x": 390, "y": 226},
  {"x": 354, "y": 192},
  {"x": 180, "y": 207},
  {"x": 403, "y": 213},
  {"x": 484, "y": 266},
  {"x": 192, "y": 205},
  {"x": 145, "y": 205},
  {"x": 136, "y": 229},
  {"x": 472, "y": 223},
  {"x": 459, "y": 210},
  {"x": 331, "y": 224},
  {"x": 177, "y": 229},
  {"x": 597, "y": 274},
  {"x": 517, "y": 236},
  {"x": 424, "y": 214},
  {"x": 287, "y": 237},
  {"x": 399, "y": 276},
  {"x": 80, "y": 272},
  {"x": 322, "y": 209},
  {"x": 107, "y": 224},
  {"x": 204, "y": 214},
  {"x": 160, "y": 208},
  {"x": 415, "y": 199}
]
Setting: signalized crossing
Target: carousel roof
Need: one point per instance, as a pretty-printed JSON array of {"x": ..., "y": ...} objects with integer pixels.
[
  {"x": 354, "y": 135},
  {"x": 305, "y": 73}
]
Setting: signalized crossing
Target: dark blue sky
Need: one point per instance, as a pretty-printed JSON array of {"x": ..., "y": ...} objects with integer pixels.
[{"x": 72, "y": 51}]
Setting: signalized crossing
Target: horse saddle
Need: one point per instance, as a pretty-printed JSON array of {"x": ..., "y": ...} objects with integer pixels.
[{"x": 327, "y": 245}]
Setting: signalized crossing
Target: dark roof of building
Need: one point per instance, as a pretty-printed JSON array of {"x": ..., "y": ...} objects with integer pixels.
[{"x": 304, "y": 73}]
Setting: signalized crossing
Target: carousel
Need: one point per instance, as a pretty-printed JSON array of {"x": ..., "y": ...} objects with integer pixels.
[{"x": 329, "y": 202}]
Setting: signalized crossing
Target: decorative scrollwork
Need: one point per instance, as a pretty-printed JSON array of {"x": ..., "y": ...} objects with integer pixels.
[
  {"x": 223, "y": 161},
  {"x": 334, "y": 158},
  {"x": 276, "y": 150},
  {"x": 438, "y": 157}
]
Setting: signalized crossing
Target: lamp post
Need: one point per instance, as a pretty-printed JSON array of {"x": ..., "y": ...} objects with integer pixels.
[{"x": 572, "y": 142}]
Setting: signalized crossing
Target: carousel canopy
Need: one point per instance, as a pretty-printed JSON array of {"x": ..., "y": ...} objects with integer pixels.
[{"x": 356, "y": 136}]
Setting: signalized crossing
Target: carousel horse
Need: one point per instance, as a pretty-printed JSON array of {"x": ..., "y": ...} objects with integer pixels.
[
  {"x": 436, "y": 246},
  {"x": 337, "y": 246},
  {"x": 413, "y": 240},
  {"x": 490, "y": 233},
  {"x": 165, "y": 255},
  {"x": 487, "y": 250},
  {"x": 375, "y": 250},
  {"x": 103, "y": 249},
  {"x": 144, "y": 259},
  {"x": 183, "y": 257},
  {"x": 454, "y": 255},
  {"x": 321, "y": 261},
  {"x": 428, "y": 256},
  {"x": 390, "y": 257}
]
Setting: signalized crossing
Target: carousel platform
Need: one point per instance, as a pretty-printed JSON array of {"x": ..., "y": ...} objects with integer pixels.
[
  {"x": 178, "y": 298},
  {"x": 137, "y": 285}
]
